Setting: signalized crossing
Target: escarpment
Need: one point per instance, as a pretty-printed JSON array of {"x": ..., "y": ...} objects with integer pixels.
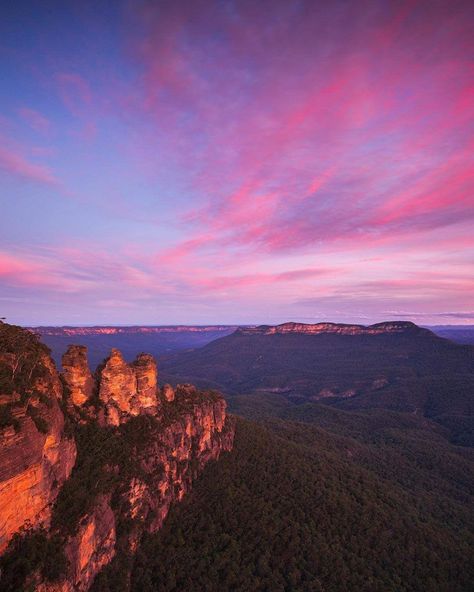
[
  {"x": 36, "y": 454},
  {"x": 139, "y": 447},
  {"x": 387, "y": 327}
]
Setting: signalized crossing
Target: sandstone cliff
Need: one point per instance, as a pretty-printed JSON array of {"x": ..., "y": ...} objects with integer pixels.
[
  {"x": 127, "y": 389},
  {"x": 142, "y": 467},
  {"x": 337, "y": 328},
  {"x": 36, "y": 457},
  {"x": 139, "y": 447},
  {"x": 77, "y": 375}
]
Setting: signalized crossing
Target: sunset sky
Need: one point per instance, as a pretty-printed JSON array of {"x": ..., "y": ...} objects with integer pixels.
[{"x": 244, "y": 161}]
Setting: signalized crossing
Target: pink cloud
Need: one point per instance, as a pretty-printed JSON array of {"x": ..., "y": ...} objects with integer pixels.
[
  {"x": 72, "y": 270},
  {"x": 10, "y": 265},
  {"x": 17, "y": 165},
  {"x": 311, "y": 137},
  {"x": 35, "y": 119},
  {"x": 328, "y": 128},
  {"x": 242, "y": 282},
  {"x": 183, "y": 249},
  {"x": 74, "y": 89},
  {"x": 450, "y": 185},
  {"x": 17, "y": 270}
]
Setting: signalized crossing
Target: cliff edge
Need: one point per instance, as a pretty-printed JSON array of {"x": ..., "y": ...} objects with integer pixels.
[
  {"x": 90, "y": 463},
  {"x": 336, "y": 328}
]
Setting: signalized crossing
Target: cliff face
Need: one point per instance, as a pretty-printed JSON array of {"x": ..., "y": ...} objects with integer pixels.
[
  {"x": 161, "y": 456},
  {"x": 146, "y": 375},
  {"x": 139, "y": 447},
  {"x": 118, "y": 388},
  {"x": 35, "y": 455},
  {"x": 339, "y": 329},
  {"x": 90, "y": 550}
]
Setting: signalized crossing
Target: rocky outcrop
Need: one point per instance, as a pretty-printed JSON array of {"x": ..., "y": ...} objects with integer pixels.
[
  {"x": 168, "y": 392},
  {"x": 93, "y": 547},
  {"x": 337, "y": 328},
  {"x": 146, "y": 375},
  {"x": 140, "y": 448},
  {"x": 180, "y": 451},
  {"x": 87, "y": 552},
  {"x": 77, "y": 375},
  {"x": 127, "y": 389},
  {"x": 157, "y": 471},
  {"x": 36, "y": 457},
  {"x": 117, "y": 388}
]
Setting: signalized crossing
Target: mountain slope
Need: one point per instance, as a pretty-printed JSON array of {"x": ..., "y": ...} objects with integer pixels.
[
  {"x": 297, "y": 507},
  {"x": 458, "y": 333},
  {"x": 396, "y": 366}
]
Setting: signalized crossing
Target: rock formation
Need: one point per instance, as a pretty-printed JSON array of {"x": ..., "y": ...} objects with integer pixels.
[
  {"x": 88, "y": 551},
  {"x": 127, "y": 389},
  {"x": 77, "y": 376},
  {"x": 78, "y": 331},
  {"x": 36, "y": 457},
  {"x": 170, "y": 454},
  {"x": 146, "y": 375},
  {"x": 117, "y": 388},
  {"x": 139, "y": 446},
  {"x": 168, "y": 392}
]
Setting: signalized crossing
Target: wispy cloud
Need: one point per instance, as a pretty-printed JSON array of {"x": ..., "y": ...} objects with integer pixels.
[
  {"x": 36, "y": 120},
  {"x": 368, "y": 143},
  {"x": 14, "y": 164},
  {"x": 247, "y": 156}
]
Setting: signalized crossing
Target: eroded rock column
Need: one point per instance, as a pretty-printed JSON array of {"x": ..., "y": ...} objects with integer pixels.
[
  {"x": 77, "y": 375},
  {"x": 146, "y": 375},
  {"x": 117, "y": 387}
]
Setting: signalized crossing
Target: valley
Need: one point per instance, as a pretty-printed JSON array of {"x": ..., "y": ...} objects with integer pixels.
[{"x": 347, "y": 463}]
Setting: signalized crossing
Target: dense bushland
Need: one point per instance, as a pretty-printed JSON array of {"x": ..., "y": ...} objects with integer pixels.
[{"x": 298, "y": 507}]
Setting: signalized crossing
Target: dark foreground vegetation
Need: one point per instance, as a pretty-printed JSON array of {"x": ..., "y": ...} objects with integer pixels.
[{"x": 375, "y": 503}]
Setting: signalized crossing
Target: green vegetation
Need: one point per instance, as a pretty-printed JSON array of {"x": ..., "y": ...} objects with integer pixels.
[
  {"x": 7, "y": 418},
  {"x": 21, "y": 351},
  {"x": 20, "y": 354},
  {"x": 29, "y": 552},
  {"x": 415, "y": 372},
  {"x": 108, "y": 457},
  {"x": 383, "y": 506}
]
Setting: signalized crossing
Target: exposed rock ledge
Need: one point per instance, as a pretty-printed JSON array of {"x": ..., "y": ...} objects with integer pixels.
[
  {"x": 140, "y": 447},
  {"x": 36, "y": 457},
  {"x": 337, "y": 328}
]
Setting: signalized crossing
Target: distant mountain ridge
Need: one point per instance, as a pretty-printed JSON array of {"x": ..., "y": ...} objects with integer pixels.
[
  {"x": 166, "y": 339},
  {"x": 338, "y": 328},
  {"x": 131, "y": 340},
  {"x": 390, "y": 365},
  {"x": 134, "y": 329}
]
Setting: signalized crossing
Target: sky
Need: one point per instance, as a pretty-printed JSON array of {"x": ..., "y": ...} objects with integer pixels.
[{"x": 236, "y": 161}]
